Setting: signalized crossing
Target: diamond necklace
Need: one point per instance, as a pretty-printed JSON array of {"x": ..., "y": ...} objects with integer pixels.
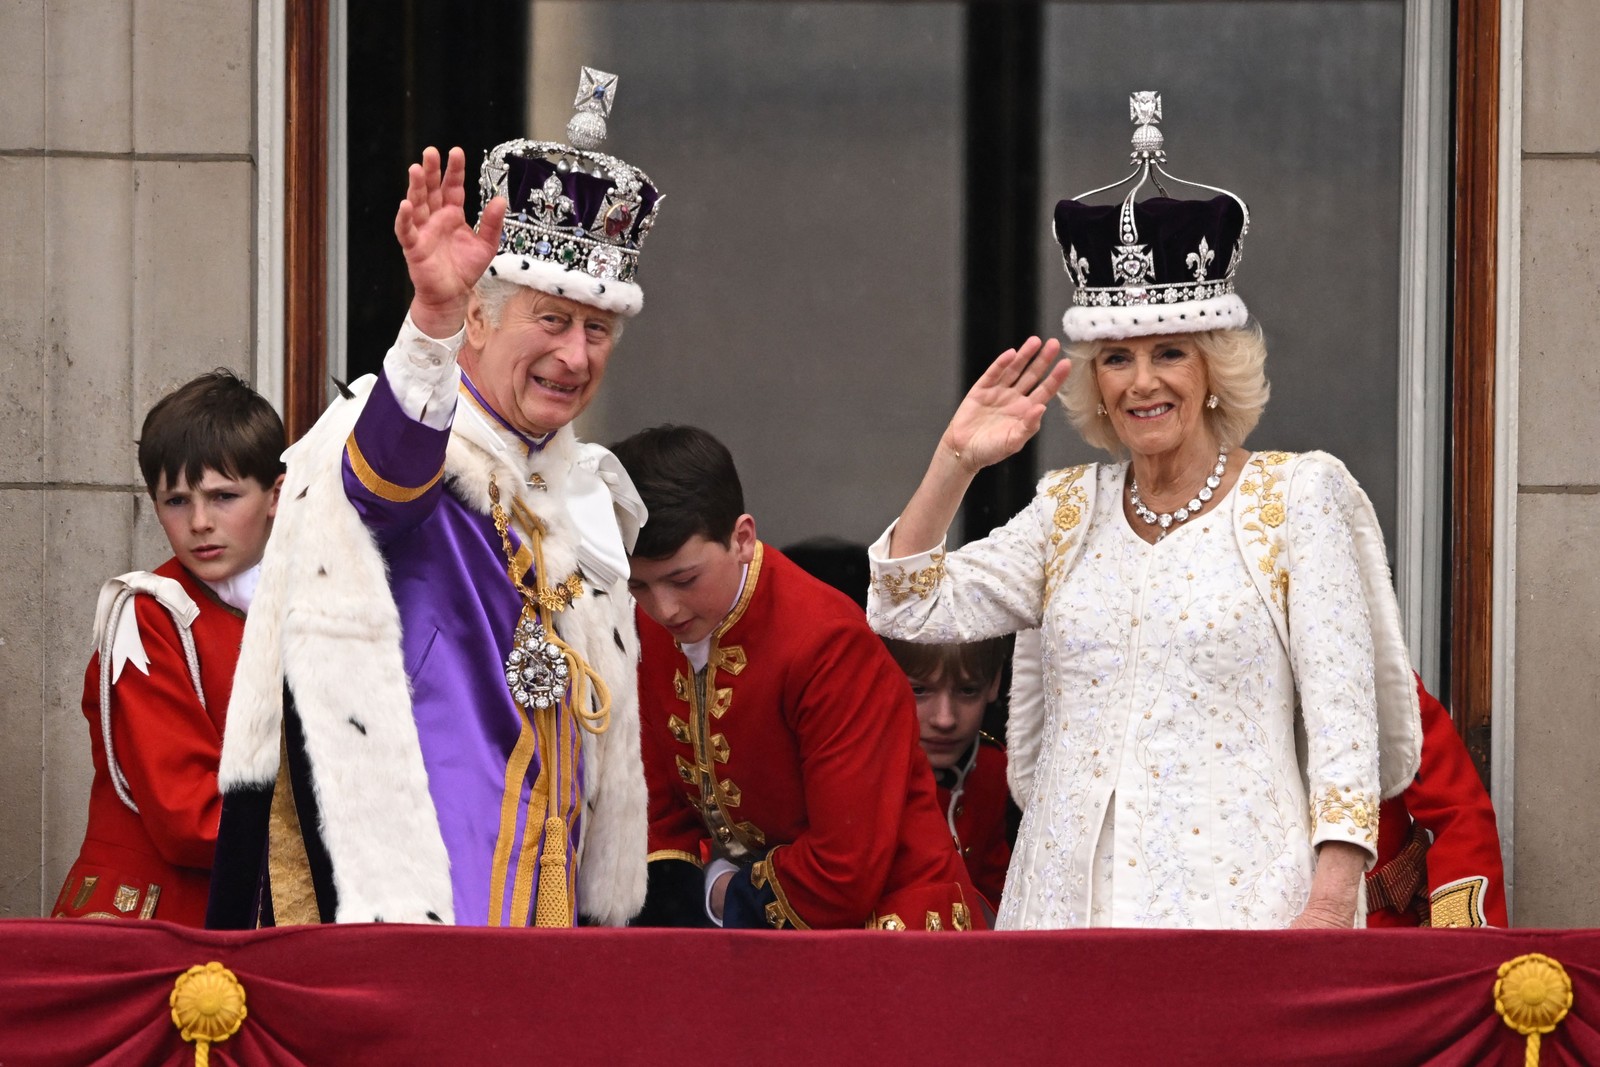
[{"x": 1166, "y": 519}]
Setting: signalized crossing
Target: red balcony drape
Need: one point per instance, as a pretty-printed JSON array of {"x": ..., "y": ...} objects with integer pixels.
[{"x": 88, "y": 992}]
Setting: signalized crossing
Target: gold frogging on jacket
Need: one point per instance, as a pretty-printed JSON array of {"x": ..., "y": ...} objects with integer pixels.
[
  {"x": 735, "y": 838},
  {"x": 933, "y": 922}
]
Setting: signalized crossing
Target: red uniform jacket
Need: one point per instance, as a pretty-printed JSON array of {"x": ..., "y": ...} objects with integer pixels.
[
  {"x": 797, "y": 756},
  {"x": 974, "y": 804},
  {"x": 1458, "y": 880},
  {"x": 156, "y": 864}
]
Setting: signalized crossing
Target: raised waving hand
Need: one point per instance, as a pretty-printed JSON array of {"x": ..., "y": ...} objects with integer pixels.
[
  {"x": 997, "y": 417},
  {"x": 1003, "y": 409},
  {"x": 444, "y": 255}
]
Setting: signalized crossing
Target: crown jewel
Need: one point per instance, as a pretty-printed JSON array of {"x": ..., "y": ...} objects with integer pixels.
[
  {"x": 596, "y": 91},
  {"x": 573, "y": 208},
  {"x": 1148, "y": 268}
]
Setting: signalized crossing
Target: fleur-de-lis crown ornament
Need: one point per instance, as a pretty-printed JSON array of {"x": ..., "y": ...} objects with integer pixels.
[
  {"x": 576, "y": 216},
  {"x": 1147, "y": 267}
]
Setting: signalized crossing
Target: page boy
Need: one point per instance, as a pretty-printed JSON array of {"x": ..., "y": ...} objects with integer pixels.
[
  {"x": 787, "y": 785},
  {"x": 953, "y": 686},
  {"x": 166, "y": 643}
]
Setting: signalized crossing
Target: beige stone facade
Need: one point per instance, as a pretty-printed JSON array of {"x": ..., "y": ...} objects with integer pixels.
[
  {"x": 1557, "y": 879},
  {"x": 128, "y": 204}
]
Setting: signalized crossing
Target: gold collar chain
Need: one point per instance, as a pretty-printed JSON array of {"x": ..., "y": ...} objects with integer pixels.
[{"x": 542, "y": 670}]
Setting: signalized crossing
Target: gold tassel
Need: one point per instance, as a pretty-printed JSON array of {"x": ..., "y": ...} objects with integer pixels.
[{"x": 553, "y": 908}]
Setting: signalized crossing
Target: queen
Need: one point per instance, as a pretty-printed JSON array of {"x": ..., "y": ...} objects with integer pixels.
[{"x": 1226, "y": 692}]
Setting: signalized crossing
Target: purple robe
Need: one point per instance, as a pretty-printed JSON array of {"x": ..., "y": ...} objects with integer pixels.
[{"x": 458, "y": 610}]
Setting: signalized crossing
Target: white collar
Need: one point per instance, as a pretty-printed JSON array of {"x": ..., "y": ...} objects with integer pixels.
[
  {"x": 594, "y": 487},
  {"x": 238, "y": 591}
]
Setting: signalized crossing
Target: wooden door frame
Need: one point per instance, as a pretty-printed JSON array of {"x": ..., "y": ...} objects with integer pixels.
[
  {"x": 1473, "y": 315},
  {"x": 305, "y": 237},
  {"x": 1474, "y": 252}
]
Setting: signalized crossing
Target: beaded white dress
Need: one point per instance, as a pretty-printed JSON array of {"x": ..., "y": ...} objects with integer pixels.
[{"x": 1168, "y": 789}]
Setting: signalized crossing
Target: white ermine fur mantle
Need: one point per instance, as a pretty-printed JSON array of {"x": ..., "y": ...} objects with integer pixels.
[{"x": 325, "y": 622}]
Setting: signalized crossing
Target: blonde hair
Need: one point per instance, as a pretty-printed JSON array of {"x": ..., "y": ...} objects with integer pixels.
[{"x": 1235, "y": 371}]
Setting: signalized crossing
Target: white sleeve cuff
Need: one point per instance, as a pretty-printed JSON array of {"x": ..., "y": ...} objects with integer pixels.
[
  {"x": 423, "y": 375},
  {"x": 714, "y": 870},
  {"x": 878, "y": 552}
]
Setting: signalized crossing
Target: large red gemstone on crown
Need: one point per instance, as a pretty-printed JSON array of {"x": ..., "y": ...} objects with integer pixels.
[{"x": 618, "y": 219}]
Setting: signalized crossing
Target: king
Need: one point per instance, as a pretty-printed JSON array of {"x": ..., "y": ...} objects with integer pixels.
[{"x": 435, "y": 715}]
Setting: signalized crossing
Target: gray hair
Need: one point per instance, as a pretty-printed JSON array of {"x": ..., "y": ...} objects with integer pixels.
[
  {"x": 1235, "y": 370},
  {"x": 494, "y": 293}
]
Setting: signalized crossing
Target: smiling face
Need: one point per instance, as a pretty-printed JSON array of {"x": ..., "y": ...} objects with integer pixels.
[
  {"x": 219, "y": 527},
  {"x": 1154, "y": 392},
  {"x": 949, "y": 713},
  {"x": 691, "y": 591},
  {"x": 541, "y": 365}
]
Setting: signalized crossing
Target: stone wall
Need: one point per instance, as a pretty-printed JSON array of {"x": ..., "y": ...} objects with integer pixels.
[
  {"x": 1557, "y": 871},
  {"x": 127, "y": 205},
  {"x": 1559, "y": 479}
]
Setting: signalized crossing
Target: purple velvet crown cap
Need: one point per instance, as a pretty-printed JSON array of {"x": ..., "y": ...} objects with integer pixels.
[
  {"x": 1171, "y": 229},
  {"x": 1160, "y": 266},
  {"x": 1176, "y": 274},
  {"x": 575, "y": 216},
  {"x": 591, "y": 204}
]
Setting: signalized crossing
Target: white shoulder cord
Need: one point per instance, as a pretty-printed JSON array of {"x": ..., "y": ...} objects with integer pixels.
[
  {"x": 118, "y": 780},
  {"x": 960, "y": 788}
]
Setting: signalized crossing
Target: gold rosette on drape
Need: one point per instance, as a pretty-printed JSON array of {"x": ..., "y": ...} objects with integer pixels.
[
  {"x": 207, "y": 1004},
  {"x": 1533, "y": 994}
]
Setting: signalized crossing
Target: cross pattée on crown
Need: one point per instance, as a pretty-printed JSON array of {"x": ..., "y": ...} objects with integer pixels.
[
  {"x": 1144, "y": 107},
  {"x": 597, "y": 91}
]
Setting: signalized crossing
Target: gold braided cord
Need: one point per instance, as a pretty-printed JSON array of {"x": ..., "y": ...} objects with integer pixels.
[{"x": 1532, "y": 994}]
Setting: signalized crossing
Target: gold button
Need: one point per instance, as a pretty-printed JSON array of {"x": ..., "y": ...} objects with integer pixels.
[
  {"x": 723, "y": 833},
  {"x": 1133, "y": 863}
]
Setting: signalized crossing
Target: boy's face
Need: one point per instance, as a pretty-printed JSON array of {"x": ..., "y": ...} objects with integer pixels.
[
  {"x": 691, "y": 591},
  {"x": 949, "y": 712},
  {"x": 218, "y": 528}
]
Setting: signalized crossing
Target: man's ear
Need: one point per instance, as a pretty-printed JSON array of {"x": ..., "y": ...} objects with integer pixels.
[
  {"x": 743, "y": 541},
  {"x": 478, "y": 327},
  {"x": 994, "y": 689}
]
